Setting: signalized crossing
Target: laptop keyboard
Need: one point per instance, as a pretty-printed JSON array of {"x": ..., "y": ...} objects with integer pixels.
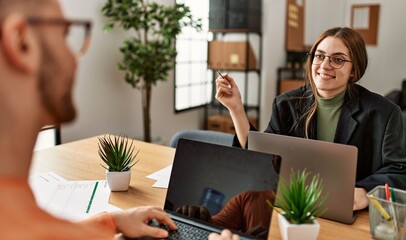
[{"x": 186, "y": 232}]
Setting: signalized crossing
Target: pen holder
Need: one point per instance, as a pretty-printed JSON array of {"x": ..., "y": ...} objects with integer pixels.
[{"x": 387, "y": 219}]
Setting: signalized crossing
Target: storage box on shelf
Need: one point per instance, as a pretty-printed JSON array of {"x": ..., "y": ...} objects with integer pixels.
[
  {"x": 231, "y": 55},
  {"x": 224, "y": 123},
  {"x": 289, "y": 79},
  {"x": 290, "y": 84}
]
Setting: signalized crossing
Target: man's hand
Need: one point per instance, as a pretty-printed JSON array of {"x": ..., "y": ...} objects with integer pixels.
[
  {"x": 225, "y": 235},
  {"x": 360, "y": 199},
  {"x": 134, "y": 222},
  {"x": 193, "y": 211}
]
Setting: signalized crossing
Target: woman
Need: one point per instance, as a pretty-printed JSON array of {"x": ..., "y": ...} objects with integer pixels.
[{"x": 332, "y": 107}]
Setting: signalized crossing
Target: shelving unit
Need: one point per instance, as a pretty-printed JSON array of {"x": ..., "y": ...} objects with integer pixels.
[
  {"x": 216, "y": 116},
  {"x": 237, "y": 58}
]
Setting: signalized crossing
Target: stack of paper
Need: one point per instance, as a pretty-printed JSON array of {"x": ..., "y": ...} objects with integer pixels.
[
  {"x": 162, "y": 176},
  {"x": 72, "y": 200}
]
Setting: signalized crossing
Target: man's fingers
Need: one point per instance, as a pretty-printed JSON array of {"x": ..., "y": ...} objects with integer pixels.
[
  {"x": 155, "y": 232},
  {"x": 163, "y": 217},
  {"x": 193, "y": 212},
  {"x": 225, "y": 235},
  {"x": 204, "y": 214}
]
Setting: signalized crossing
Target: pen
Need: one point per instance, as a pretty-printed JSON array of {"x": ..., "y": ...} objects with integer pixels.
[
  {"x": 92, "y": 197},
  {"x": 391, "y": 208},
  {"x": 221, "y": 75},
  {"x": 381, "y": 210},
  {"x": 218, "y": 71},
  {"x": 392, "y": 195},
  {"x": 387, "y": 192}
]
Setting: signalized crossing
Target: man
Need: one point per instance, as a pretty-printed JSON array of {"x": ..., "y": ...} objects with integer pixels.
[{"x": 36, "y": 77}]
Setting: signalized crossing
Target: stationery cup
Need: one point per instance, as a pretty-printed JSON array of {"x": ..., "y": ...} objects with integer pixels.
[{"x": 387, "y": 218}]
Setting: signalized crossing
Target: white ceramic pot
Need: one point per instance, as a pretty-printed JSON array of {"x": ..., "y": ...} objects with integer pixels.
[
  {"x": 118, "y": 181},
  {"x": 298, "y": 231}
]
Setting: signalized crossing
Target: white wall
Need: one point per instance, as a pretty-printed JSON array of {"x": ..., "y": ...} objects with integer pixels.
[
  {"x": 387, "y": 60},
  {"x": 273, "y": 55},
  {"x": 107, "y": 104},
  {"x": 322, "y": 15}
]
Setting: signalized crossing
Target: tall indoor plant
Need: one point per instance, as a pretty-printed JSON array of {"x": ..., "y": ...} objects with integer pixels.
[{"x": 150, "y": 54}]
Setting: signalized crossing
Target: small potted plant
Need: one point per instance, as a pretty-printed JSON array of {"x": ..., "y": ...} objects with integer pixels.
[
  {"x": 298, "y": 205},
  {"x": 117, "y": 153}
]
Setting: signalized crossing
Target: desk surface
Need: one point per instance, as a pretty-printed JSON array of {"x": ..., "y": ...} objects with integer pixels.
[{"x": 79, "y": 161}]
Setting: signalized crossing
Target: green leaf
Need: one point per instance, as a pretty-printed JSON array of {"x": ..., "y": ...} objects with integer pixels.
[
  {"x": 300, "y": 202},
  {"x": 116, "y": 152}
]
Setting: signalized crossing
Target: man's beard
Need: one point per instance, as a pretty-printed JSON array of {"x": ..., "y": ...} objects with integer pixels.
[{"x": 60, "y": 108}]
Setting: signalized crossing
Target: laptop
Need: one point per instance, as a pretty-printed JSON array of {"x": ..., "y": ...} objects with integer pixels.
[
  {"x": 209, "y": 175},
  {"x": 335, "y": 163}
]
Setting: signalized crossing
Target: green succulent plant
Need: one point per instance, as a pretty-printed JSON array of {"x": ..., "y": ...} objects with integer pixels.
[
  {"x": 117, "y": 153},
  {"x": 298, "y": 202}
]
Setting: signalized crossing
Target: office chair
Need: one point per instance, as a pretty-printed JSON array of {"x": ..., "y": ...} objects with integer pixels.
[{"x": 208, "y": 136}]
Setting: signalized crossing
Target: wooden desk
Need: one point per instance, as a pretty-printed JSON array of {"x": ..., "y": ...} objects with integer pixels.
[
  {"x": 79, "y": 161},
  {"x": 330, "y": 229}
]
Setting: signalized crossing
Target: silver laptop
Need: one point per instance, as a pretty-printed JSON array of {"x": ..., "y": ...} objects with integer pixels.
[{"x": 336, "y": 164}]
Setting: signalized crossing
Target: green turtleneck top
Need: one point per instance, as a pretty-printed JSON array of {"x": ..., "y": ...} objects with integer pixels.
[{"x": 328, "y": 112}]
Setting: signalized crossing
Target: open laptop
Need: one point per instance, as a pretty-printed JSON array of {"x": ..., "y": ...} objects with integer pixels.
[
  {"x": 209, "y": 175},
  {"x": 335, "y": 163}
]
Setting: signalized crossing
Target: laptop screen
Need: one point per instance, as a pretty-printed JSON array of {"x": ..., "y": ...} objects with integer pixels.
[{"x": 210, "y": 175}]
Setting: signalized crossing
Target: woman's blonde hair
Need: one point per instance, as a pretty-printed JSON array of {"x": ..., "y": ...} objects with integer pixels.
[{"x": 359, "y": 58}]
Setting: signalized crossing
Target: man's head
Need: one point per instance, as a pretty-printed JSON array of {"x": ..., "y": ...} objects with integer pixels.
[{"x": 33, "y": 42}]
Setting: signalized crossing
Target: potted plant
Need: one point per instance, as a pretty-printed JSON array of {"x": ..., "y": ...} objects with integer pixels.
[
  {"x": 118, "y": 156},
  {"x": 150, "y": 54},
  {"x": 298, "y": 205}
]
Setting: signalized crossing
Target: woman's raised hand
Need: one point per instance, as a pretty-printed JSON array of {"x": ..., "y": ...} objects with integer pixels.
[{"x": 228, "y": 94}]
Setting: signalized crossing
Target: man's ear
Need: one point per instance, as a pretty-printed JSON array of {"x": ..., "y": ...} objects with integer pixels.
[{"x": 19, "y": 44}]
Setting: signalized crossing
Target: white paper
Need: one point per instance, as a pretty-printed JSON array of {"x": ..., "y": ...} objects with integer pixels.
[
  {"x": 361, "y": 18},
  {"x": 162, "y": 176},
  {"x": 47, "y": 177},
  {"x": 73, "y": 200}
]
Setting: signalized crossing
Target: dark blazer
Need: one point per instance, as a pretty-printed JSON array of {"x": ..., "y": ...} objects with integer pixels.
[{"x": 368, "y": 121}]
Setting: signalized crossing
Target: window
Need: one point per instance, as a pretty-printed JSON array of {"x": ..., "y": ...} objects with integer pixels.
[{"x": 193, "y": 82}]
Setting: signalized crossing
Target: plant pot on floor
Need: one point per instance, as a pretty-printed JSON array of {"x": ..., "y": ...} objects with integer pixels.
[
  {"x": 118, "y": 181},
  {"x": 291, "y": 231}
]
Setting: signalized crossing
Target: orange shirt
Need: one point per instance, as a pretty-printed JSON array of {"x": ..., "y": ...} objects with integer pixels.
[
  {"x": 21, "y": 218},
  {"x": 246, "y": 211}
]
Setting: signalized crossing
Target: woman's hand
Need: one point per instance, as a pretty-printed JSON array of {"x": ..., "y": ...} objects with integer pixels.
[
  {"x": 360, "y": 199},
  {"x": 134, "y": 222},
  {"x": 225, "y": 235},
  {"x": 227, "y": 93}
]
